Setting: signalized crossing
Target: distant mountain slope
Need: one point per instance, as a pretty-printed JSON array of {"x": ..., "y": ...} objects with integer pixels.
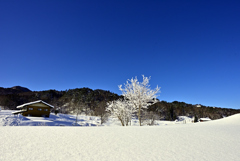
[
  {"x": 93, "y": 102},
  {"x": 22, "y": 89},
  {"x": 13, "y": 90},
  {"x": 67, "y": 101}
]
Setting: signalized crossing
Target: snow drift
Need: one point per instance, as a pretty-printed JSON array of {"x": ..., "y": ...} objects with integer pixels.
[{"x": 214, "y": 140}]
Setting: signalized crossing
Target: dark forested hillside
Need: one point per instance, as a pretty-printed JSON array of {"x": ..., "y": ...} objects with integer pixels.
[
  {"x": 13, "y": 90},
  {"x": 170, "y": 111},
  {"x": 63, "y": 100},
  {"x": 93, "y": 102}
]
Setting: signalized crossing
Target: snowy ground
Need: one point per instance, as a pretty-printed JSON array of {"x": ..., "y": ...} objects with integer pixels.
[
  {"x": 214, "y": 140},
  {"x": 8, "y": 119}
]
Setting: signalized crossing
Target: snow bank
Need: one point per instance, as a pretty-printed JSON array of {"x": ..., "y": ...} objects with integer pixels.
[
  {"x": 215, "y": 140},
  {"x": 184, "y": 119},
  {"x": 8, "y": 119}
]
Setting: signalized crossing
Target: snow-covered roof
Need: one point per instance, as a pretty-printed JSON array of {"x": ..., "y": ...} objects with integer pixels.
[
  {"x": 205, "y": 119},
  {"x": 30, "y": 103}
]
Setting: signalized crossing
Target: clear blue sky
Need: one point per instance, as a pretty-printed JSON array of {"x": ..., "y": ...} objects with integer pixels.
[{"x": 191, "y": 49}]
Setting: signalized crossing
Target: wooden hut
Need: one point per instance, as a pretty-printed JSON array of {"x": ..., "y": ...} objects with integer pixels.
[{"x": 37, "y": 108}]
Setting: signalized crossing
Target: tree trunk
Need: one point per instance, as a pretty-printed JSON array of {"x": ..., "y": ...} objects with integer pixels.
[
  {"x": 139, "y": 116},
  {"x": 121, "y": 120},
  {"x": 76, "y": 119}
]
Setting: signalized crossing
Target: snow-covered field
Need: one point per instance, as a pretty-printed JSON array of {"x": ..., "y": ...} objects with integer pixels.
[
  {"x": 214, "y": 140},
  {"x": 8, "y": 119}
]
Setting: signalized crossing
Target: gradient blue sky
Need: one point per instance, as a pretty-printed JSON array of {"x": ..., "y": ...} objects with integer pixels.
[{"x": 191, "y": 49}]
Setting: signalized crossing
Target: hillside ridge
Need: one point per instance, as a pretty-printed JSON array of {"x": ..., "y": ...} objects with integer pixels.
[{"x": 93, "y": 102}]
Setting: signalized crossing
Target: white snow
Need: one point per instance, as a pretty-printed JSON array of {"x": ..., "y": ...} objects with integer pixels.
[
  {"x": 8, "y": 119},
  {"x": 204, "y": 119},
  {"x": 184, "y": 119},
  {"x": 30, "y": 103},
  {"x": 215, "y": 140}
]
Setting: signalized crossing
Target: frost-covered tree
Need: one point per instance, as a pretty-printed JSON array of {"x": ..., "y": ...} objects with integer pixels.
[
  {"x": 120, "y": 109},
  {"x": 139, "y": 94}
]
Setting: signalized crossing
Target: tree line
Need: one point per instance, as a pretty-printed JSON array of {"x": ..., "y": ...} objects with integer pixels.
[{"x": 94, "y": 103}]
